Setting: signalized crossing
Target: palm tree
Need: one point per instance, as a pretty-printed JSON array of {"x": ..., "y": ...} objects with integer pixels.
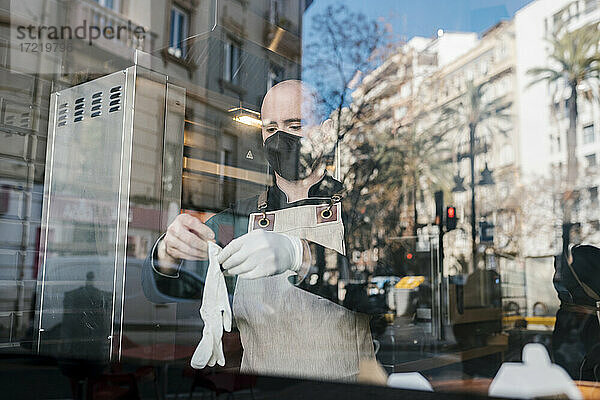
[
  {"x": 472, "y": 113},
  {"x": 574, "y": 60}
]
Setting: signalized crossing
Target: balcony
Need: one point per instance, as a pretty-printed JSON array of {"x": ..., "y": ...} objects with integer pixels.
[{"x": 124, "y": 30}]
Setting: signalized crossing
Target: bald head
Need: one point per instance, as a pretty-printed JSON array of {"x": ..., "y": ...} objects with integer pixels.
[{"x": 289, "y": 106}]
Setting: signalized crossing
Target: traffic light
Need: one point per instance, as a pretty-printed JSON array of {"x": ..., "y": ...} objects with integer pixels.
[
  {"x": 439, "y": 208},
  {"x": 450, "y": 218}
]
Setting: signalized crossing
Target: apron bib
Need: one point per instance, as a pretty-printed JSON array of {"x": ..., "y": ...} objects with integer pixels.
[{"x": 287, "y": 331}]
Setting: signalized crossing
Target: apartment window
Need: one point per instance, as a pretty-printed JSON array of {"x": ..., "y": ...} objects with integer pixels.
[
  {"x": 112, "y": 4},
  {"x": 502, "y": 49},
  {"x": 484, "y": 68},
  {"x": 593, "y": 191},
  {"x": 470, "y": 74},
  {"x": 591, "y": 160},
  {"x": 557, "y": 19},
  {"x": 232, "y": 62},
  {"x": 588, "y": 134},
  {"x": 276, "y": 12},
  {"x": 590, "y": 5},
  {"x": 576, "y": 201},
  {"x": 179, "y": 31},
  {"x": 574, "y": 10},
  {"x": 275, "y": 75}
]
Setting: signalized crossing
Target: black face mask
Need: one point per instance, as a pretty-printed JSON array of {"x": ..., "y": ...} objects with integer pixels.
[{"x": 284, "y": 156}]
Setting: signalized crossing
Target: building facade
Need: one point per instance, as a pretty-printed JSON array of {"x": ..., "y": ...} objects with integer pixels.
[
  {"x": 525, "y": 149},
  {"x": 227, "y": 54}
]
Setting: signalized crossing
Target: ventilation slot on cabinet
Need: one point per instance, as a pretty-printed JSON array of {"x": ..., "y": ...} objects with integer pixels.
[
  {"x": 96, "y": 104},
  {"x": 63, "y": 110},
  {"x": 115, "y": 99},
  {"x": 79, "y": 108}
]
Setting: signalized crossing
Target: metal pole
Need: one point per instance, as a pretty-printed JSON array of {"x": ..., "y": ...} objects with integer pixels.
[
  {"x": 439, "y": 207},
  {"x": 473, "y": 219},
  {"x": 338, "y": 163}
]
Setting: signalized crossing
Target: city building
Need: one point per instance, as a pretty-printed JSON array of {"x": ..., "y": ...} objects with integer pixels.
[
  {"x": 226, "y": 54},
  {"x": 543, "y": 123},
  {"x": 525, "y": 152}
]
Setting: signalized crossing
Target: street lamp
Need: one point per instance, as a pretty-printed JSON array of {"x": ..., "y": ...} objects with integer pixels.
[
  {"x": 459, "y": 186},
  {"x": 486, "y": 179}
]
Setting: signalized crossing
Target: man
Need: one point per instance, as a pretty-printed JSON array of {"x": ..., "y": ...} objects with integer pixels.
[
  {"x": 575, "y": 340},
  {"x": 286, "y": 328}
]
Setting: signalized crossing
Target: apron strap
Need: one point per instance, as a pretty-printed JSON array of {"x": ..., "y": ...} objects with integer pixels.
[
  {"x": 588, "y": 290},
  {"x": 262, "y": 201},
  {"x": 261, "y": 204},
  {"x": 262, "y": 207},
  {"x": 579, "y": 308}
]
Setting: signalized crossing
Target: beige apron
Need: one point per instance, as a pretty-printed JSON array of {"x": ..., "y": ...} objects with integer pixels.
[{"x": 287, "y": 331}]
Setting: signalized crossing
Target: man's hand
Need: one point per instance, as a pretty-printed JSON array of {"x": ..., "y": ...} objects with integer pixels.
[
  {"x": 186, "y": 238},
  {"x": 261, "y": 253}
]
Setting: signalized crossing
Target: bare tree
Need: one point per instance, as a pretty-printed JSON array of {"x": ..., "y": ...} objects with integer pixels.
[
  {"x": 347, "y": 48},
  {"x": 347, "y": 45}
]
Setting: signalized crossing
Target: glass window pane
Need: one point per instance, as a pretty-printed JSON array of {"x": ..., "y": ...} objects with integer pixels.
[{"x": 426, "y": 174}]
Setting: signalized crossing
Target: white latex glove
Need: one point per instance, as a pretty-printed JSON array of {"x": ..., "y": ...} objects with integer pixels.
[
  {"x": 216, "y": 314},
  {"x": 261, "y": 253}
]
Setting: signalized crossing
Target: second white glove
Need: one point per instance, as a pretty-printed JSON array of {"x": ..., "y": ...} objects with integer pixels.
[
  {"x": 216, "y": 315},
  {"x": 261, "y": 253}
]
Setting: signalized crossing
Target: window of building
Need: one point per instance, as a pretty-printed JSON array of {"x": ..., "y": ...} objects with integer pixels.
[
  {"x": 276, "y": 75},
  {"x": 591, "y": 160},
  {"x": 574, "y": 10},
  {"x": 179, "y": 31},
  {"x": 593, "y": 191},
  {"x": 112, "y": 4},
  {"x": 576, "y": 201},
  {"x": 470, "y": 74},
  {"x": 590, "y": 5},
  {"x": 557, "y": 19},
  {"x": 232, "y": 62},
  {"x": 484, "y": 68},
  {"x": 277, "y": 14},
  {"x": 502, "y": 49},
  {"x": 588, "y": 134}
]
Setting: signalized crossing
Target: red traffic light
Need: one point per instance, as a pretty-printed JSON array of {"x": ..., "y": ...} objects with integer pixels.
[
  {"x": 409, "y": 256},
  {"x": 450, "y": 218},
  {"x": 451, "y": 212}
]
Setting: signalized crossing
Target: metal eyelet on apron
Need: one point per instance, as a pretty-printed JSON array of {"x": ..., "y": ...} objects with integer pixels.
[
  {"x": 326, "y": 213},
  {"x": 264, "y": 221}
]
